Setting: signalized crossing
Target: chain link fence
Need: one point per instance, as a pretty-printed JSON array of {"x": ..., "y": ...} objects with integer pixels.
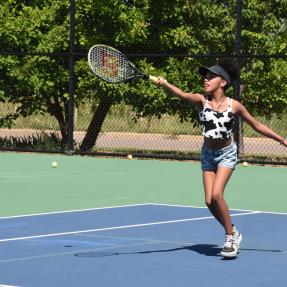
[{"x": 51, "y": 103}]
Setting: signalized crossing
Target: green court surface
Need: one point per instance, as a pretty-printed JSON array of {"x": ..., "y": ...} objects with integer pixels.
[{"x": 29, "y": 184}]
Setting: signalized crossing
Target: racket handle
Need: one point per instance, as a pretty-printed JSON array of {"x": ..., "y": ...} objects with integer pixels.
[{"x": 152, "y": 78}]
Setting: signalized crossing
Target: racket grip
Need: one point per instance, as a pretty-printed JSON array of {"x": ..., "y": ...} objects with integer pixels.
[{"x": 152, "y": 78}]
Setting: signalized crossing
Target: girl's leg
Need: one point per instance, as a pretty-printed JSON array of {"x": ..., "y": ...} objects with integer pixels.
[
  {"x": 208, "y": 180},
  {"x": 221, "y": 178}
]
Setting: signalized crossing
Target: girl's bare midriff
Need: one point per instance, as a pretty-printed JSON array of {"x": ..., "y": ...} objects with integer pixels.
[{"x": 216, "y": 143}]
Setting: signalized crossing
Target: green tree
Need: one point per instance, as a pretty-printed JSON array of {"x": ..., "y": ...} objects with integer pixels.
[
  {"x": 36, "y": 84},
  {"x": 265, "y": 79}
]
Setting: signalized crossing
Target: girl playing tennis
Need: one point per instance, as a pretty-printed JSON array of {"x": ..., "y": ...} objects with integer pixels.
[{"x": 219, "y": 152}]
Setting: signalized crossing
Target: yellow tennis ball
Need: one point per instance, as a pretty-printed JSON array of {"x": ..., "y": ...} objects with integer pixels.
[
  {"x": 129, "y": 156},
  {"x": 245, "y": 164},
  {"x": 54, "y": 164}
]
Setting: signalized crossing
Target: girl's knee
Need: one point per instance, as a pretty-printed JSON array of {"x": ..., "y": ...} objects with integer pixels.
[
  {"x": 217, "y": 196},
  {"x": 208, "y": 202}
]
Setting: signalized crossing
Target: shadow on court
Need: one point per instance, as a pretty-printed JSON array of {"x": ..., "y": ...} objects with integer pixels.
[{"x": 203, "y": 249}]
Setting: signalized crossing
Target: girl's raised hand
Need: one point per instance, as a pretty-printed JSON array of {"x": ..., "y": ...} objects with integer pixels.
[{"x": 160, "y": 81}]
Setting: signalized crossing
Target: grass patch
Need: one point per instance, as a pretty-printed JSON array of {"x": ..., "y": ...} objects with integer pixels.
[
  {"x": 41, "y": 142},
  {"x": 121, "y": 118}
]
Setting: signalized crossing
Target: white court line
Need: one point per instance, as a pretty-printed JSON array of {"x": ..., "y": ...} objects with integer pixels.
[
  {"x": 232, "y": 209},
  {"x": 1, "y": 285},
  {"x": 132, "y": 205},
  {"x": 76, "y": 210},
  {"x": 116, "y": 227}
]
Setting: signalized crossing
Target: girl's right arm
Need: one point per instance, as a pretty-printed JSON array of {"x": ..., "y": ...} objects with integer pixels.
[
  {"x": 195, "y": 99},
  {"x": 241, "y": 111}
]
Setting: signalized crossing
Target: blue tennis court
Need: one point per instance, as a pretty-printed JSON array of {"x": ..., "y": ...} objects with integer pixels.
[{"x": 140, "y": 245}]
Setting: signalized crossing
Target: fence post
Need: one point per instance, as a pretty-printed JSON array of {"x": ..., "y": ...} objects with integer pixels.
[
  {"x": 238, "y": 133},
  {"x": 70, "y": 131}
]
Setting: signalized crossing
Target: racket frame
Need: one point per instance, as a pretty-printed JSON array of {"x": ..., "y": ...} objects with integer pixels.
[{"x": 136, "y": 72}]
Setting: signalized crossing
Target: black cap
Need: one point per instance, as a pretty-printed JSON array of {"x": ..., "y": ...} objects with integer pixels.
[{"x": 217, "y": 70}]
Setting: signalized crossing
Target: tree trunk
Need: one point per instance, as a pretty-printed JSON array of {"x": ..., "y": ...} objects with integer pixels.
[
  {"x": 56, "y": 110},
  {"x": 95, "y": 126}
]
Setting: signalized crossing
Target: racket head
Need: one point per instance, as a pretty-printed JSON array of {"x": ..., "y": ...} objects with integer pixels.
[{"x": 111, "y": 65}]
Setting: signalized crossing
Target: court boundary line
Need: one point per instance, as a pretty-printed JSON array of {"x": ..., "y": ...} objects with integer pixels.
[
  {"x": 117, "y": 227},
  {"x": 231, "y": 209},
  {"x": 132, "y": 205},
  {"x": 74, "y": 210}
]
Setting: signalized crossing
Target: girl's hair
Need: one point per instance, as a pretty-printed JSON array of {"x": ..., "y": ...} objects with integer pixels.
[{"x": 230, "y": 67}]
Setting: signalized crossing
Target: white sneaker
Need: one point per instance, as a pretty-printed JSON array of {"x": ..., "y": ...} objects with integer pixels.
[
  {"x": 230, "y": 247},
  {"x": 237, "y": 236}
]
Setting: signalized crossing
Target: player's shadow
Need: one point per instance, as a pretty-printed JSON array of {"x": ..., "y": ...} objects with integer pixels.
[{"x": 203, "y": 249}]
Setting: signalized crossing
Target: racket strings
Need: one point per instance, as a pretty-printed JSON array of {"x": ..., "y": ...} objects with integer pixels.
[{"x": 110, "y": 65}]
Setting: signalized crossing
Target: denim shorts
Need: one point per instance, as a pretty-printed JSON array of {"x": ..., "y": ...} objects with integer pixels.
[{"x": 213, "y": 158}]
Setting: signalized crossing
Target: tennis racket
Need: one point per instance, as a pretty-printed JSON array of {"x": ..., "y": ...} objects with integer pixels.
[{"x": 112, "y": 66}]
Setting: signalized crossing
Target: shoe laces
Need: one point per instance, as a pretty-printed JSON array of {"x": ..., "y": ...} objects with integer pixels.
[
  {"x": 235, "y": 231},
  {"x": 229, "y": 241},
  {"x": 236, "y": 234}
]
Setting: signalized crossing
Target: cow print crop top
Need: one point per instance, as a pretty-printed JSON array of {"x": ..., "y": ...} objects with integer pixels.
[{"x": 217, "y": 125}]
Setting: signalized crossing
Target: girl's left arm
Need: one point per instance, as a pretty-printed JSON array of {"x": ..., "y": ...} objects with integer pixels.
[{"x": 241, "y": 111}]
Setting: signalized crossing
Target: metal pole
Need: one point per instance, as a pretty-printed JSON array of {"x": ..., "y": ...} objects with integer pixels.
[
  {"x": 238, "y": 135},
  {"x": 70, "y": 149}
]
